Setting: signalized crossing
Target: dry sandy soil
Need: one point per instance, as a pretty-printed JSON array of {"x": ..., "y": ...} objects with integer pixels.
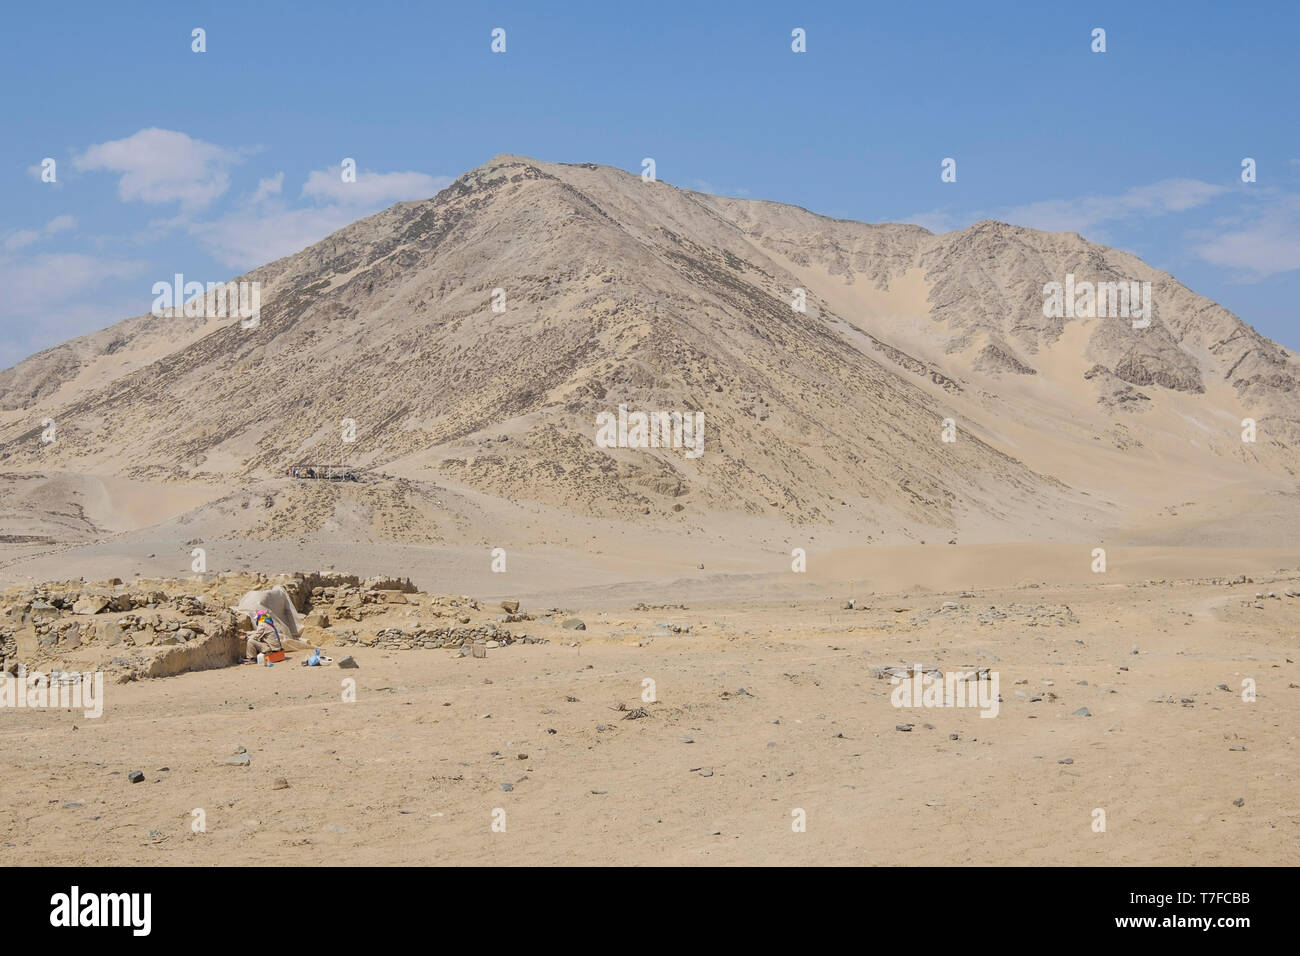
[
  {"x": 413, "y": 770},
  {"x": 922, "y": 427}
]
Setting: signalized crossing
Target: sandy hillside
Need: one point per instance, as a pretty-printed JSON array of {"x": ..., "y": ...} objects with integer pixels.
[{"x": 477, "y": 426}]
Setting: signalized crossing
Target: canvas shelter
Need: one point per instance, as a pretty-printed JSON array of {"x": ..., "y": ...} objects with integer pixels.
[{"x": 280, "y": 606}]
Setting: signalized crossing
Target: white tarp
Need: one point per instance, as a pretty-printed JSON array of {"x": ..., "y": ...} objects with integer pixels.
[{"x": 278, "y": 602}]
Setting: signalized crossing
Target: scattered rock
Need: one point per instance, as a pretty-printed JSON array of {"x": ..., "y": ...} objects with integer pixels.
[
  {"x": 574, "y": 624},
  {"x": 135, "y": 776},
  {"x": 238, "y": 760},
  {"x": 280, "y": 784},
  {"x": 1082, "y": 712},
  {"x": 348, "y": 661},
  {"x": 1240, "y": 801},
  {"x": 905, "y": 728}
]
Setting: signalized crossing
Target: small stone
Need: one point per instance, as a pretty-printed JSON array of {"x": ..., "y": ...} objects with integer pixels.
[
  {"x": 706, "y": 773},
  {"x": 1082, "y": 712},
  {"x": 136, "y": 776},
  {"x": 348, "y": 661},
  {"x": 238, "y": 760},
  {"x": 952, "y": 736},
  {"x": 280, "y": 784},
  {"x": 1066, "y": 760},
  {"x": 905, "y": 728},
  {"x": 507, "y": 787},
  {"x": 688, "y": 740},
  {"x": 574, "y": 624},
  {"x": 1236, "y": 747},
  {"x": 1240, "y": 801}
]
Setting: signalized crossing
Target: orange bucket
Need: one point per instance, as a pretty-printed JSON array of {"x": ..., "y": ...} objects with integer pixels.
[{"x": 275, "y": 656}]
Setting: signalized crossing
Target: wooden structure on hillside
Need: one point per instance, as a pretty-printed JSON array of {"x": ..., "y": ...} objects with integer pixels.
[{"x": 324, "y": 473}]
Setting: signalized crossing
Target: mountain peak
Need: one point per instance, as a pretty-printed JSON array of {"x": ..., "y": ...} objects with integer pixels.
[{"x": 473, "y": 339}]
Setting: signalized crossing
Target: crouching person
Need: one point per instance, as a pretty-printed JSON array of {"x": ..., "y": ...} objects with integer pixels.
[{"x": 263, "y": 638}]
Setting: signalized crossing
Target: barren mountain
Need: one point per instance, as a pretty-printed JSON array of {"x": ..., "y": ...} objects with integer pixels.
[{"x": 617, "y": 292}]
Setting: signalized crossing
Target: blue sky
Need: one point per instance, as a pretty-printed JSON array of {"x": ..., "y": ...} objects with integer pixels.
[{"x": 212, "y": 163}]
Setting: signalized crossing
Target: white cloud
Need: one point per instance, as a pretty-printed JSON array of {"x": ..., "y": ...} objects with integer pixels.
[
  {"x": 22, "y": 238},
  {"x": 268, "y": 187},
  {"x": 253, "y": 237},
  {"x": 55, "y": 296},
  {"x": 36, "y": 284},
  {"x": 373, "y": 190},
  {"x": 161, "y": 166},
  {"x": 265, "y": 228},
  {"x": 1082, "y": 214},
  {"x": 1265, "y": 245}
]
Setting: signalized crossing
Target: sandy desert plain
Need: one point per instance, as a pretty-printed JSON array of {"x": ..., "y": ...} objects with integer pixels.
[{"x": 1159, "y": 697}]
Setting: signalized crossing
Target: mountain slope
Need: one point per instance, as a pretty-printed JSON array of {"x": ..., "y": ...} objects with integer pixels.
[{"x": 619, "y": 291}]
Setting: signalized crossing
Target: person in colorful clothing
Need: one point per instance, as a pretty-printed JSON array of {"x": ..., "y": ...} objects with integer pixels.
[{"x": 263, "y": 638}]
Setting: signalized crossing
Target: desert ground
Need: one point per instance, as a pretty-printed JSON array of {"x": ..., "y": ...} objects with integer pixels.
[
  {"x": 773, "y": 701},
  {"x": 909, "y": 460}
]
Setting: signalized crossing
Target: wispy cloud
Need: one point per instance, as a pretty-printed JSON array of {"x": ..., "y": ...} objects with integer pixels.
[
  {"x": 20, "y": 239},
  {"x": 269, "y": 187},
  {"x": 1085, "y": 213},
  {"x": 371, "y": 189},
  {"x": 53, "y": 296},
  {"x": 1260, "y": 243},
  {"x": 39, "y": 283},
  {"x": 266, "y": 227}
]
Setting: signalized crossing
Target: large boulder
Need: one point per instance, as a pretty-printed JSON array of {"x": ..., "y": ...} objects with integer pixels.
[{"x": 90, "y": 604}]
